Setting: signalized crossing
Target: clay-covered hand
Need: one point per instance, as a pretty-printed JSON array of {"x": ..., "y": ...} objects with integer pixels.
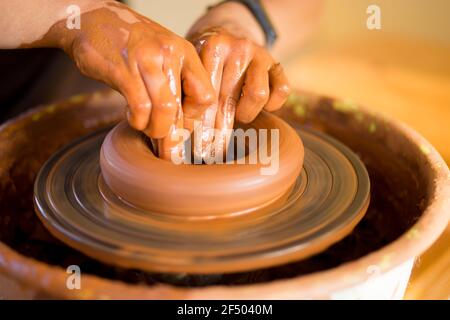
[
  {"x": 243, "y": 73},
  {"x": 245, "y": 77},
  {"x": 158, "y": 72}
]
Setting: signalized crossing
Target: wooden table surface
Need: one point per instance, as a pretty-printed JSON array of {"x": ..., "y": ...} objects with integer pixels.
[{"x": 406, "y": 79}]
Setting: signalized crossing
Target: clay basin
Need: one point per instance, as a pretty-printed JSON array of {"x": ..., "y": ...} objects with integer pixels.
[{"x": 410, "y": 207}]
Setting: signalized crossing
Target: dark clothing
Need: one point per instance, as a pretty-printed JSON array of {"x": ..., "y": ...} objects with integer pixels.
[{"x": 31, "y": 77}]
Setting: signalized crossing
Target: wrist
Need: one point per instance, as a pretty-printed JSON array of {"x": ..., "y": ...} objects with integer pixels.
[
  {"x": 66, "y": 30},
  {"x": 232, "y": 16}
]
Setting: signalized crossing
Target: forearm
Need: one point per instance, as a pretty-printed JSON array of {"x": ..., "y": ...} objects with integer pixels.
[
  {"x": 24, "y": 23},
  {"x": 294, "y": 21}
]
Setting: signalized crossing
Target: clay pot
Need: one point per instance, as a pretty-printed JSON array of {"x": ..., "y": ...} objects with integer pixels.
[{"x": 409, "y": 209}]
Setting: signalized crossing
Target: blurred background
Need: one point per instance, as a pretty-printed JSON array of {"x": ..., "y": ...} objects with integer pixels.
[{"x": 401, "y": 70}]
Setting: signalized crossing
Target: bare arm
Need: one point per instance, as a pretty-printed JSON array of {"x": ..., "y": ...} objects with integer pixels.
[{"x": 294, "y": 21}]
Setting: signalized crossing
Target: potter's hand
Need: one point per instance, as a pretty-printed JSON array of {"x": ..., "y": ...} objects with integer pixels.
[
  {"x": 157, "y": 71},
  {"x": 245, "y": 76}
]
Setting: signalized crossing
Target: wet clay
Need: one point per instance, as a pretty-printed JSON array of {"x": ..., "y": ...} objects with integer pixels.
[{"x": 137, "y": 176}]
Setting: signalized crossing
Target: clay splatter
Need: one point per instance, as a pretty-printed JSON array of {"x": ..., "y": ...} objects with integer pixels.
[
  {"x": 78, "y": 99},
  {"x": 299, "y": 110},
  {"x": 345, "y": 105},
  {"x": 385, "y": 261},
  {"x": 36, "y": 116},
  {"x": 298, "y": 104},
  {"x": 425, "y": 149},
  {"x": 413, "y": 234},
  {"x": 50, "y": 108}
]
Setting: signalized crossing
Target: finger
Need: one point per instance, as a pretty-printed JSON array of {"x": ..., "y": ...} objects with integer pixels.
[
  {"x": 279, "y": 88},
  {"x": 255, "y": 91},
  {"x": 230, "y": 90},
  {"x": 170, "y": 145},
  {"x": 164, "y": 104},
  {"x": 212, "y": 56},
  {"x": 139, "y": 103},
  {"x": 198, "y": 92}
]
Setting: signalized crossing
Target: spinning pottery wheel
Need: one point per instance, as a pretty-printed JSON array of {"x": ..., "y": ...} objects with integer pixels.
[{"x": 319, "y": 206}]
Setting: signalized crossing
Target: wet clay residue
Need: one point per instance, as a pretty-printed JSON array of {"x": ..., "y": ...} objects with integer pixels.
[{"x": 396, "y": 199}]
